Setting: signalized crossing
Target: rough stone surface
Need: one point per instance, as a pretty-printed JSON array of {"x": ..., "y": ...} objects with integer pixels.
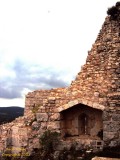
[
  {"x": 96, "y": 87},
  {"x": 42, "y": 117}
]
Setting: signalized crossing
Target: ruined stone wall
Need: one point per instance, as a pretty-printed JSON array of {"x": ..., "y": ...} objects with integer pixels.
[
  {"x": 45, "y": 100},
  {"x": 97, "y": 85},
  {"x": 111, "y": 121},
  {"x": 14, "y": 136},
  {"x": 100, "y": 75},
  {"x": 97, "y": 78},
  {"x": 94, "y": 86}
]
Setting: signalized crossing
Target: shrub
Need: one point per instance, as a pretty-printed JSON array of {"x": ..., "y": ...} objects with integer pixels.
[
  {"x": 48, "y": 140},
  {"x": 35, "y": 108},
  {"x": 114, "y": 11}
]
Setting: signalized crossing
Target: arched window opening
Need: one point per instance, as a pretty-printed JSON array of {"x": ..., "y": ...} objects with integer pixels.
[
  {"x": 81, "y": 121},
  {"x": 83, "y": 124}
]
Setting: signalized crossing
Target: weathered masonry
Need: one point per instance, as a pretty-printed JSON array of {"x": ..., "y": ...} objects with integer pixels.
[
  {"x": 87, "y": 111},
  {"x": 81, "y": 121}
]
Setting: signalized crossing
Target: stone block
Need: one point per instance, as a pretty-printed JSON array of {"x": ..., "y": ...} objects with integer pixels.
[
  {"x": 35, "y": 125},
  {"x": 22, "y": 131},
  {"x": 59, "y": 109},
  {"x": 51, "y": 98},
  {"x": 107, "y": 136},
  {"x": 106, "y": 116},
  {"x": 96, "y": 105},
  {"x": 40, "y": 132},
  {"x": 15, "y": 141},
  {"x": 111, "y": 126},
  {"x": 36, "y": 143},
  {"x": 113, "y": 143},
  {"x": 116, "y": 117},
  {"x": 66, "y": 106},
  {"x": 72, "y": 103},
  {"x": 55, "y": 117},
  {"x": 53, "y": 125},
  {"x": 42, "y": 117},
  {"x": 96, "y": 94},
  {"x": 43, "y": 125},
  {"x": 84, "y": 101},
  {"x": 90, "y": 103},
  {"x": 14, "y": 130}
]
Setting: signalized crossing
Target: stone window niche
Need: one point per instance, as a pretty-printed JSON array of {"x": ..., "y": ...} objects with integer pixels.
[
  {"x": 81, "y": 121},
  {"x": 83, "y": 124}
]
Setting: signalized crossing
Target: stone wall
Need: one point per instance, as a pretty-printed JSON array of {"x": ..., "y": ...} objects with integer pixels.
[
  {"x": 111, "y": 120},
  {"x": 14, "y": 136},
  {"x": 96, "y": 86}
]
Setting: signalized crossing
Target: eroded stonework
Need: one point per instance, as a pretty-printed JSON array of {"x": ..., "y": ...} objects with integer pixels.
[
  {"x": 86, "y": 112},
  {"x": 80, "y": 121}
]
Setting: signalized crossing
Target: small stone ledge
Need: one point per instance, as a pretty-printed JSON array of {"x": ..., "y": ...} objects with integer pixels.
[
  {"x": 103, "y": 158},
  {"x": 85, "y": 102}
]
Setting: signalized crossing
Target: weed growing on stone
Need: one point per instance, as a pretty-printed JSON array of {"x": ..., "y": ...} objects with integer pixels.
[
  {"x": 114, "y": 11},
  {"x": 48, "y": 140},
  {"x": 35, "y": 108}
]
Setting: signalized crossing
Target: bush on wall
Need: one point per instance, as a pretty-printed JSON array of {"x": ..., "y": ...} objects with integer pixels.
[{"x": 114, "y": 11}]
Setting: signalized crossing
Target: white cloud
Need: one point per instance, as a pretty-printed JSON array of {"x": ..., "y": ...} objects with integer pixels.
[{"x": 12, "y": 102}]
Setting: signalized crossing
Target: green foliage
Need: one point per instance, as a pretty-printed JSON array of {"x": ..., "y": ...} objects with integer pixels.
[
  {"x": 48, "y": 140},
  {"x": 35, "y": 108},
  {"x": 68, "y": 154},
  {"x": 114, "y": 11},
  {"x": 73, "y": 153},
  {"x": 118, "y": 4}
]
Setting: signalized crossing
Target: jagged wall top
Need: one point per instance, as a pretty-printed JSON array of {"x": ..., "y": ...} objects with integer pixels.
[
  {"x": 101, "y": 73},
  {"x": 98, "y": 79},
  {"x": 97, "y": 85}
]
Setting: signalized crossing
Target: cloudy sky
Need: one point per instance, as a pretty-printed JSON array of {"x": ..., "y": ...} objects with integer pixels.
[{"x": 43, "y": 43}]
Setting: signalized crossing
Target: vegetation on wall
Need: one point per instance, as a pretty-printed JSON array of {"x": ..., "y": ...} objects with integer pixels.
[
  {"x": 114, "y": 11},
  {"x": 48, "y": 142},
  {"x": 35, "y": 108}
]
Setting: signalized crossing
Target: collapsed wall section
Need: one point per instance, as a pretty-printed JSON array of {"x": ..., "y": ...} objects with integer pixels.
[
  {"x": 100, "y": 75},
  {"x": 14, "y": 137},
  {"x": 45, "y": 100}
]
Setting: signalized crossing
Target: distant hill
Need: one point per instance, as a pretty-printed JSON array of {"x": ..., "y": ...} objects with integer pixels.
[{"x": 8, "y": 114}]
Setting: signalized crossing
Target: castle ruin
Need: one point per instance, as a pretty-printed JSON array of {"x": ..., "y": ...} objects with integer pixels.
[{"x": 87, "y": 111}]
